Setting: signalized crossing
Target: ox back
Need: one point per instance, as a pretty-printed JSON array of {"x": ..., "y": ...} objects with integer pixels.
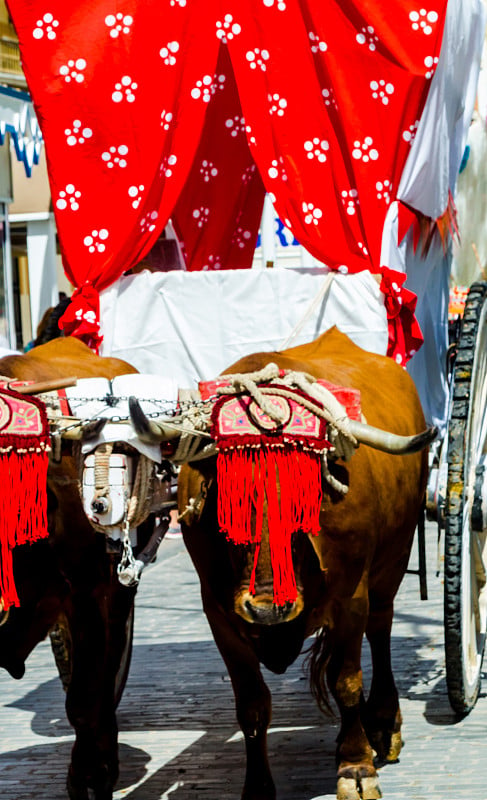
[
  {"x": 347, "y": 575},
  {"x": 70, "y": 577}
]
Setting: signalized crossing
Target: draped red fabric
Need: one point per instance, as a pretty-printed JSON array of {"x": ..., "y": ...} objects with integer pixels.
[
  {"x": 218, "y": 213},
  {"x": 167, "y": 107},
  {"x": 120, "y": 90}
]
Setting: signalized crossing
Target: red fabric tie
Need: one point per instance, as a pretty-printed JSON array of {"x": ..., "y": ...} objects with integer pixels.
[
  {"x": 405, "y": 337},
  {"x": 82, "y": 317}
]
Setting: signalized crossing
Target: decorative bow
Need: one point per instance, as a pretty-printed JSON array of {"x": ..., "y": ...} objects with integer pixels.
[
  {"x": 405, "y": 337},
  {"x": 81, "y": 318}
]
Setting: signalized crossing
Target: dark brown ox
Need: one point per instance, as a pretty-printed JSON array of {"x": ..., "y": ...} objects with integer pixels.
[
  {"x": 70, "y": 575},
  {"x": 347, "y": 576}
]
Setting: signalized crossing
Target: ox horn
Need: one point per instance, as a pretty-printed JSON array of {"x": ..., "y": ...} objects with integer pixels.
[
  {"x": 153, "y": 431},
  {"x": 68, "y": 429},
  {"x": 392, "y": 442}
]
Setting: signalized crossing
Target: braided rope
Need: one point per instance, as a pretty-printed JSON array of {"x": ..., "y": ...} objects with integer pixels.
[
  {"x": 330, "y": 409},
  {"x": 139, "y": 504},
  {"x": 247, "y": 382},
  {"x": 102, "y": 470}
]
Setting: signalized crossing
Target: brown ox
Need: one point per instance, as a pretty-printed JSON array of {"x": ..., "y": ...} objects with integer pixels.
[
  {"x": 347, "y": 576},
  {"x": 71, "y": 574}
]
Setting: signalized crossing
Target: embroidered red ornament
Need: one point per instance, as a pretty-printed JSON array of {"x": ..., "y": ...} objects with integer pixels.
[
  {"x": 266, "y": 467},
  {"x": 24, "y": 447}
]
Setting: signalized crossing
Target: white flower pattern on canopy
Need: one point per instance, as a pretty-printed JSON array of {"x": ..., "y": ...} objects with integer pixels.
[{"x": 343, "y": 122}]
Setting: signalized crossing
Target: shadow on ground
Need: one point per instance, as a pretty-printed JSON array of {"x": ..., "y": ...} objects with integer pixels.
[{"x": 178, "y": 690}]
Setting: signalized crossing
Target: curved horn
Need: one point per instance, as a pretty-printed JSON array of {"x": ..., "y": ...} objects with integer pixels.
[
  {"x": 392, "y": 442},
  {"x": 93, "y": 429},
  {"x": 154, "y": 431},
  {"x": 84, "y": 430}
]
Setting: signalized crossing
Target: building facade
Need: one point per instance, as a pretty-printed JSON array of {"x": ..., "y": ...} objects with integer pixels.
[{"x": 30, "y": 268}]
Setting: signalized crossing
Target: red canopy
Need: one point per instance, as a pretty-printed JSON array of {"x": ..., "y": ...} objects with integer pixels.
[{"x": 192, "y": 109}]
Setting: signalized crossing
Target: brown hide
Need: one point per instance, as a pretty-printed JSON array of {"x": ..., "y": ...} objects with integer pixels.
[
  {"x": 347, "y": 576},
  {"x": 72, "y": 576},
  {"x": 62, "y": 358}
]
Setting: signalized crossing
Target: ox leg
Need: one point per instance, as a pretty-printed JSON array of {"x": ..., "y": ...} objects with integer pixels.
[
  {"x": 252, "y": 701},
  {"x": 357, "y": 776},
  {"x": 382, "y": 716},
  {"x": 97, "y": 626}
]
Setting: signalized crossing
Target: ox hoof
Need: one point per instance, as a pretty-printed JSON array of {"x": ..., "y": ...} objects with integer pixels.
[
  {"x": 395, "y": 747},
  {"x": 347, "y": 789},
  {"x": 364, "y": 789},
  {"x": 386, "y": 747},
  {"x": 370, "y": 789}
]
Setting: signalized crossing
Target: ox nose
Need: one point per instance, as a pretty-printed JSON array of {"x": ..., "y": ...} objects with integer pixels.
[
  {"x": 260, "y": 608},
  {"x": 268, "y": 613}
]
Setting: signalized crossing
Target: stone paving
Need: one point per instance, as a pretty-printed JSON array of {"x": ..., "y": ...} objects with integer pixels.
[{"x": 178, "y": 736}]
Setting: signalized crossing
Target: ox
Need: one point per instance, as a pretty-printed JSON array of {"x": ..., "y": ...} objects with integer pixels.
[
  {"x": 71, "y": 576},
  {"x": 346, "y": 576}
]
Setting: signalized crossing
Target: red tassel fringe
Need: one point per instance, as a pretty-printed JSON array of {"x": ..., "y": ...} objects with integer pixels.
[
  {"x": 23, "y": 517},
  {"x": 289, "y": 479}
]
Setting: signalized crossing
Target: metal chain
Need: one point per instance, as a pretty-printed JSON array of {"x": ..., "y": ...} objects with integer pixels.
[
  {"x": 129, "y": 569},
  {"x": 171, "y": 409}
]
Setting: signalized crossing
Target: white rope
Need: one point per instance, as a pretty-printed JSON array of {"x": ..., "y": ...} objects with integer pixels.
[
  {"x": 322, "y": 292},
  {"x": 139, "y": 503},
  {"x": 330, "y": 409},
  {"x": 329, "y": 478},
  {"x": 247, "y": 382},
  {"x": 194, "y": 506},
  {"x": 102, "y": 471}
]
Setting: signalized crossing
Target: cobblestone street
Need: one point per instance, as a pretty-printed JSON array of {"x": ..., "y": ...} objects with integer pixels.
[{"x": 178, "y": 735}]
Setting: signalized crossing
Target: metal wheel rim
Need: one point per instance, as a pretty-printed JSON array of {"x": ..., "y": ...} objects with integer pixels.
[
  {"x": 474, "y": 544},
  {"x": 465, "y": 548}
]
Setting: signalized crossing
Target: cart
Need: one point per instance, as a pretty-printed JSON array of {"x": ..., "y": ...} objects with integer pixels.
[{"x": 127, "y": 234}]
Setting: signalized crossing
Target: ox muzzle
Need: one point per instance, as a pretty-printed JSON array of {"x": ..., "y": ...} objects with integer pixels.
[{"x": 260, "y": 609}]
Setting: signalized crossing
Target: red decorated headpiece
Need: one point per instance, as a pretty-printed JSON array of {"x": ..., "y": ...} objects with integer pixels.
[
  {"x": 267, "y": 466},
  {"x": 24, "y": 446}
]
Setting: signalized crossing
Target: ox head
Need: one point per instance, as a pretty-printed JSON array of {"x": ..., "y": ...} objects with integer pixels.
[
  {"x": 120, "y": 485},
  {"x": 277, "y": 498}
]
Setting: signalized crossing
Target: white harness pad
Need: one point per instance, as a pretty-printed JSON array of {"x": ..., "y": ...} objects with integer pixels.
[{"x": 94, "y": 398}]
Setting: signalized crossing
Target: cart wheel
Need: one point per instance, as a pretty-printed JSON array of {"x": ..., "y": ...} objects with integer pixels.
[
  {"x": 466, "y": 509},
  {"x": 61, "y": 647}
]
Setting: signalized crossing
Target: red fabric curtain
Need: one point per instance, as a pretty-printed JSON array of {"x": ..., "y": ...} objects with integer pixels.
[
  {"x": 120, "y": 91},
  {"x": 218, "y": 213},
  {"x": 332, "y": 93},
  {"x": 141, "y": 121}
]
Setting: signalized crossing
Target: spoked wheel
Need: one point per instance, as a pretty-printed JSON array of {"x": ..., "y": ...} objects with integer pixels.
[{"x": 466, "y": 509}]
